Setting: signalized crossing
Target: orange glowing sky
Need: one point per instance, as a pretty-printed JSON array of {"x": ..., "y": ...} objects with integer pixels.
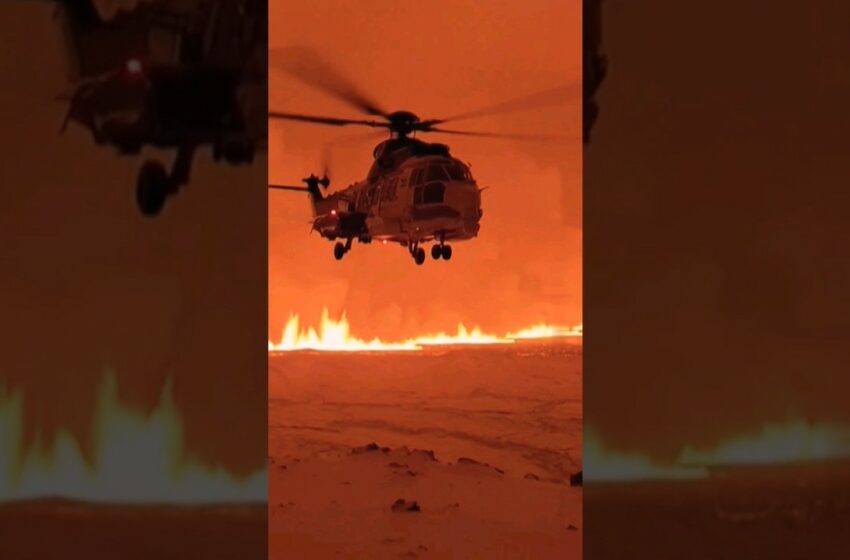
[{"x": 435, "y": 58}]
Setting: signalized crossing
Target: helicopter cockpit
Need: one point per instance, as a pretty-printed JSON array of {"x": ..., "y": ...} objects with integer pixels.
[{"x": 429, "y": 179}]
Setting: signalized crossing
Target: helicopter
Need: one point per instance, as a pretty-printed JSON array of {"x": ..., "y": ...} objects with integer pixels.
[
  {"x": 415, "y": 192},
  {"x": 179, "y": 74}
]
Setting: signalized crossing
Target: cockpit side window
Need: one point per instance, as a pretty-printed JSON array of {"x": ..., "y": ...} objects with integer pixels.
[{"x": 433, "y": 193}]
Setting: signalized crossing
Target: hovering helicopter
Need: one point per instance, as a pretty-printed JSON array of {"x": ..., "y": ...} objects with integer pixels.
[
  {"x": 176, "y": 74},
  {"x": 416, "y": 192}
]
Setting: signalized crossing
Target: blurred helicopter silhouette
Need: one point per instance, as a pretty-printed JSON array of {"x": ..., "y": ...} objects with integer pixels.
[{"x": 177, "y": 74}]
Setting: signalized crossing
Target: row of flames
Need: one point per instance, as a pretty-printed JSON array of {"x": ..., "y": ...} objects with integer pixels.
[
  {"x": 335, "y": 335},
  {"x": 139, "y": 458},
  {"x": 794, "y": 441}
]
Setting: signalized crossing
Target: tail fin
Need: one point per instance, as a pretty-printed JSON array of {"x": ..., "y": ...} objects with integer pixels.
[{"x": 313, "y": 188}]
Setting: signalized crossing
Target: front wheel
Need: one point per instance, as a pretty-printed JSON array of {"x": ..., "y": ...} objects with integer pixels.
[
  {"x": 419, "y": 256},
  {"x": 436, "y": 252},
  {"x": 339, "y": 251},
  {"x": 446, "y": 252},
  {"x": 151, "y": 188}
]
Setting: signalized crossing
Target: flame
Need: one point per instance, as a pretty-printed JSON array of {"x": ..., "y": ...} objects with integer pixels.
[
  {"x": 336, "y": 336},
  {"x": 796, "y": 441},
  {"x": 138, "y": 459},
  {"x": 605, "y": 465},
  {"x": 792, "y": 442},
  {"x": 545, "y": 331}
]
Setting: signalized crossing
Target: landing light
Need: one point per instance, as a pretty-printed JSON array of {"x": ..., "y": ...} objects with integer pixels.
[
  {"x": 333, "y": 212},
  {"x": 134, "y": 66}
]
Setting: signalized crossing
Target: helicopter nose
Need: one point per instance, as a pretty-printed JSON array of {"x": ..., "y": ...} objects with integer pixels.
[{"x": 465, "y": 197}]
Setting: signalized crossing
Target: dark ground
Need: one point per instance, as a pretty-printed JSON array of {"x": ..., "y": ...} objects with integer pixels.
[
  {"x": 788, "y": 512},
  {"x": 78, "y": 530}
]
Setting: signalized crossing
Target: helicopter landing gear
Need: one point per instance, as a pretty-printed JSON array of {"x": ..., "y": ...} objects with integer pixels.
[
  {"x": 154, "y": 185},
  {"x": 151, "y": 188},
  {"x": 441, "y": 251},
  {"x": 419, "y": 256},
  {"x": 417, "y": 252},
  {"x": 234, "y": 151},
  {"x": 341, "y": 249}
]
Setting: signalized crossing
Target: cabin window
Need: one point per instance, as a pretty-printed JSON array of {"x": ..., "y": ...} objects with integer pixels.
[
  {"x": 437, "y": 173},
  {"x": 433, "y": 193}
]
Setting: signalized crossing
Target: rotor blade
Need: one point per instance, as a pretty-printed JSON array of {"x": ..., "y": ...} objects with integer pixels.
[
  {"x": 362, "y": 137},
  {"x": 528, "y": 137},
  {"x": 554, "y": 96},
  {"x": 288, "y": 188},
  {"x": 325, "y": 120},
  {"x": 309, "y": 67}
]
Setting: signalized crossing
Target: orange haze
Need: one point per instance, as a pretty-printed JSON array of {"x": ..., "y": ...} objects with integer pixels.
[
  {"x": 88, "y": 285},
  {"x": 435, "y": 59}
]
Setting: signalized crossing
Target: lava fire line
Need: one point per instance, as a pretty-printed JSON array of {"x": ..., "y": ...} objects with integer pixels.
[{"x": 335, "y": 336}]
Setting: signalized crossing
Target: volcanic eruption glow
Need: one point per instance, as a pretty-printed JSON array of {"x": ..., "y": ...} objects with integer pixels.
[
  {"x": 335, "y": 336},
  {"x": 792, "y": 442},
  {"x": 138, "y": 459},
  {"x": 795, "y": 441},
  {"x": 606, "y": 465}
]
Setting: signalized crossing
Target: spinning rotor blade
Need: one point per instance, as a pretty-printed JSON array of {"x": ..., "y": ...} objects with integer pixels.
[
  {"x": 306, "y": 65},
  {"x": 325, "y": 120},
  {"x": 528, "y": 137},
  {"x": 353, "y": 138},
  {"x": 554, "y": 96}
]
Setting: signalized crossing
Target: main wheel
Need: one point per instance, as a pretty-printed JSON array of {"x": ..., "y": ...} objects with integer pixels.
[
  {"x": 435, "y": 252},
  {"x": 419, "y": 255},
  {"x": 339, "y": 251},
  {"x": 446, "y": 252},
  {"x": 151, "y": 188}
]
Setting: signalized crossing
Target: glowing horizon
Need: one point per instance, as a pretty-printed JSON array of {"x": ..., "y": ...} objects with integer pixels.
[
  {"x": 795, "y": 441},
  {"x": 335, "y": 336}
]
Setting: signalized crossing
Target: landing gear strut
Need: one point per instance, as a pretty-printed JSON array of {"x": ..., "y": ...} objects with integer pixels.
[
  {"x": 154, "y": 185},
  {"x": 417, "y": 252},
  {"x": 340, "y": 250}
]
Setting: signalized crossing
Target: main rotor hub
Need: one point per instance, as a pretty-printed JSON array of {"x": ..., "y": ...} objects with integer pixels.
[{"x": 403, "y": 122}]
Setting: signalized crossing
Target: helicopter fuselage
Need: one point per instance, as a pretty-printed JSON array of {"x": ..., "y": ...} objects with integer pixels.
[{"x": 425, "y": 198}]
